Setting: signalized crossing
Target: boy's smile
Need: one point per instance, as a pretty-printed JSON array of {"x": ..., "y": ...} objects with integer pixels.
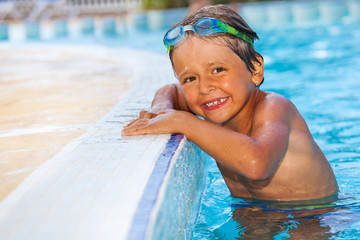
[
  {"x": 214, "y": 104},
  {"x": 216, "y": 82}
]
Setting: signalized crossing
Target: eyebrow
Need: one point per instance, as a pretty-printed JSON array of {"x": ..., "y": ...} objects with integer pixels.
[
  {"x": 209, "y": 65},
  {"x": 218, "y": 63},
  {"x": 186, "y": 71}
]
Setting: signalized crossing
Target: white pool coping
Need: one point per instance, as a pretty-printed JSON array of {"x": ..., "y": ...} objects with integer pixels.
[{"x": 92, "y": 188}]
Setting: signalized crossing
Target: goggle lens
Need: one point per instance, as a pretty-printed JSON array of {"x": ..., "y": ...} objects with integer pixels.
[
  {"x": 173, "y": 36},
  {"x": 206, "y": 26}
]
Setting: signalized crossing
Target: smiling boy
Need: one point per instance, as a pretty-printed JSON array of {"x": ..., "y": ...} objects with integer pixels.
[{"x": 261, "y": 143}]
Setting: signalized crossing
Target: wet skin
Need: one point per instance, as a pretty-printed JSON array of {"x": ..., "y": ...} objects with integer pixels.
[{"x": 260, "y": 141}]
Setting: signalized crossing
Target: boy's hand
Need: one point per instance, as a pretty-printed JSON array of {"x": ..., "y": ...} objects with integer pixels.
[
  {"x": 153, "y": 113},
  {"x": 151, "y": 123}
]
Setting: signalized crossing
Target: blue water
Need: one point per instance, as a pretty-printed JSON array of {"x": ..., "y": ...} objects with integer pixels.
[{"x": 318, "y": 68}]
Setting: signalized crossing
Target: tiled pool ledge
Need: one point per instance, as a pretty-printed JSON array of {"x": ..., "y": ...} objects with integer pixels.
[
  {"x": 102, "y": 186},
  {"x": 171, "y": 199}
]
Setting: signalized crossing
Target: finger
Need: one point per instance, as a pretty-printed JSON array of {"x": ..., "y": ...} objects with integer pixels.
[
  {"x": 150, "y": 115},
  {"x": 139, "y": 130},
  {"x": 137, "y": 123},
  {"x": 142, "y": 113},
  {"x": 147, "y": 114},
  {"x": 130, "y": 123}
]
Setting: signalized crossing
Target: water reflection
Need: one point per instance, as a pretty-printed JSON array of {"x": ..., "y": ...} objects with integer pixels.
[{"x": 264, "y": 222}]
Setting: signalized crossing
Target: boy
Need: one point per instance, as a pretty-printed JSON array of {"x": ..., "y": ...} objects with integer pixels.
[{"x": 261, "y": 143}]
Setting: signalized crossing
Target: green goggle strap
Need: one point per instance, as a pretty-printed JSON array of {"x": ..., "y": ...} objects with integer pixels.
[{"x": 229, "y": 29}]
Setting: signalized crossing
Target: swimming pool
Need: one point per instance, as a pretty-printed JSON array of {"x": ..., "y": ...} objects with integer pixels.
[{"x": 316, "y": 66}]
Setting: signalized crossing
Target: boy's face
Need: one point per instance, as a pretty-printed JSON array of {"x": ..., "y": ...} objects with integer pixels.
[{"x": 215, "y": 81}]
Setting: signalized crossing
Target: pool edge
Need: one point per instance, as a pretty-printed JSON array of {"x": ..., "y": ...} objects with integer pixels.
[{"x": 143, "y": 219}]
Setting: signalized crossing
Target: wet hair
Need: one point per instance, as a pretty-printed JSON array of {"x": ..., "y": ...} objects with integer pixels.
[{"x": 240, "y": 47}]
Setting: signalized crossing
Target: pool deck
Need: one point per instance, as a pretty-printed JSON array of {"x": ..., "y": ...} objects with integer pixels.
[{"x": 91, "y": 189}]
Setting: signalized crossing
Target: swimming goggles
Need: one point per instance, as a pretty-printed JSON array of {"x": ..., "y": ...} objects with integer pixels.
[{"x": 205, "y": 26}]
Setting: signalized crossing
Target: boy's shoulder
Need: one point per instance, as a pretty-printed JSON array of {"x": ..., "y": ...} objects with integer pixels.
[
  {"x": 272, "y": 103},
  {"x": 275, "y": 100}
]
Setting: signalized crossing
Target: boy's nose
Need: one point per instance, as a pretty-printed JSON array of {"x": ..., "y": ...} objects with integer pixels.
[{"x": 206, "y": 86}]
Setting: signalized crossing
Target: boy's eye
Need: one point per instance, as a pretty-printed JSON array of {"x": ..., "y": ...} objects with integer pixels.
[
  {"x": 189, "y": 79},
  {"x": 218, "y": 69}
]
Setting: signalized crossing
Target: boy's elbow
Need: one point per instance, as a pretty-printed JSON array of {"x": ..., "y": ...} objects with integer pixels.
[
  {"x": 257, "y": 170},
  {"x": 257, "y": 174},
  {"x": 262, "y": 164}
]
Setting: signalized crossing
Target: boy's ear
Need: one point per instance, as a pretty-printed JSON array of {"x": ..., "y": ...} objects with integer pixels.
[{"x": 258, "y": 73}]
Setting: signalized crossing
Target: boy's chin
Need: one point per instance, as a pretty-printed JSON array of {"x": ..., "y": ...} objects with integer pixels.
[{"x": 219, "y": 123}]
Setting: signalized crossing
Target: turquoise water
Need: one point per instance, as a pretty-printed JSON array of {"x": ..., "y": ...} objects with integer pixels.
[{"x": 318, "y": 68}]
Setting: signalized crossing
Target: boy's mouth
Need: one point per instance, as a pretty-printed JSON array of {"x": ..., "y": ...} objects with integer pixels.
[{"x": 214, "y": 104}]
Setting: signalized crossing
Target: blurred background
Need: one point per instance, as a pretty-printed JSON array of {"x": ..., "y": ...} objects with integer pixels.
[
  {"x": 111, "y": 21},
  {"x": 119, "y": 22}
]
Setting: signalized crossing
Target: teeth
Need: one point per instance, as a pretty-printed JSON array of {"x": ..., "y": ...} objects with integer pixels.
[{"x": 215, "y": 102}]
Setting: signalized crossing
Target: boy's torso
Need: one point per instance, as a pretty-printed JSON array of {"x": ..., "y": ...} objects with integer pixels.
[{"x": 303, "y": 172}]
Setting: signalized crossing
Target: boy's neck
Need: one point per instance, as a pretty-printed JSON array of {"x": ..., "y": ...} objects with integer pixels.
[{"x": 242, "y": 122}]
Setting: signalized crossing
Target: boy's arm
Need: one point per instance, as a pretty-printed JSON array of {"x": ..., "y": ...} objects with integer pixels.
[
  {"x": 169, "y": 97},
  {"x": 255, "y": 156}
]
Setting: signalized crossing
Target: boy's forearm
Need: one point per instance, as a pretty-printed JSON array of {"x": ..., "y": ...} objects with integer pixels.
[
  {"x": 164, "y": 98},
  {"x": 169, "y": 97},
  {"x": 233, "y": 150},
  {"x": 212, "y": 139}
]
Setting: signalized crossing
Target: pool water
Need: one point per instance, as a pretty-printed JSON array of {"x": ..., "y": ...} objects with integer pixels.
[{"x": 318, "y": 68}]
